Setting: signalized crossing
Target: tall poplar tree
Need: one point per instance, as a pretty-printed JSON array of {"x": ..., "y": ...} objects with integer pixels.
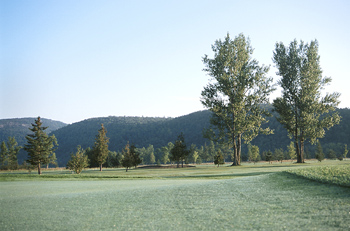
[
  {"x": 100, "y": 148},
  {"x": 40, "y": 147},
  {"x": 236, "y": 93},
  {"x": 302, "y": 109}
]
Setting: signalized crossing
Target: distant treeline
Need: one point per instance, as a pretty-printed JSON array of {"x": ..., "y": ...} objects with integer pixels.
[{"x": 152, "y": 135}]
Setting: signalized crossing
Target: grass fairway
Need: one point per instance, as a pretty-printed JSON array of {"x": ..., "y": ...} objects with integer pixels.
[{"x": 251, "y": 197}]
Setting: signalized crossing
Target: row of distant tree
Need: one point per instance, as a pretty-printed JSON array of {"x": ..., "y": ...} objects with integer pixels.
[{"x": 41, "y": 147}]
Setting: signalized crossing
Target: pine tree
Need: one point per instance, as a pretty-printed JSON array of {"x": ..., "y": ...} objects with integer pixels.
[
  {"x": 291, "y": 151},
  {"x": 40, "y": 147},
  {"x": 100, "y": 148},
  {"x": 269, "y": 156},
  {"x": 78, "y": 161},
  {"x": 13, "y": 150},
  {"x": 131, "y": 158},
  {"x": 219, "y": 158},
  {"x": 345, "y": 151},
  {"x": 3, "y": 155},
  {"x": 179, "y": 152},
  {"x": 319, "y": 152}
]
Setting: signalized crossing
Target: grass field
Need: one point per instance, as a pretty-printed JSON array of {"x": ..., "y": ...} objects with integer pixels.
[{"x": 249, "y": 197}]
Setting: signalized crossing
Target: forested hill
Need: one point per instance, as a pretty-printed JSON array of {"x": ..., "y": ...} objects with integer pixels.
[
  {"x": 19, "y": 128},
  {"x": 143, "y": 131},
  {"x": 140, "y": 131}
]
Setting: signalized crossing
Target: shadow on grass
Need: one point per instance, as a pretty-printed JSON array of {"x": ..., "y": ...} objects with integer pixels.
[{"x": 219, "y": 176}]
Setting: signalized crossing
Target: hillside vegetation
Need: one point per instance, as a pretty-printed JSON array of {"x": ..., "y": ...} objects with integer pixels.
[{"x": 145, "y": 131}]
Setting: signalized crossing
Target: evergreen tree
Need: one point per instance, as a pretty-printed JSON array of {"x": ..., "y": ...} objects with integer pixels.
[
  {"x": 135, "y": 156},
  {"x": 255, "y": 155},
  {"x": 269, "y": 156},
  {"x": 179, "y": 152},
  {"x": 278, "y": 154},
  {"x": 291, "y": 151},
  {"x": 345, "y": 151},
  {"x": 100, "y": 148},
  {"x": 319, "y": 152},
  {"x": 78, "y": 161},
  {"x": 219, "y": 158},
  {"x": 40, "y": 147},
  {"x": 4, "y": 155},
  {"x": 301, "y": 108},
  {"x": 331, "y": 154},
  {"x": 235, "y": 96},
  {"x": 127, "y": 161},
  {"x": 131, "y": 158}
]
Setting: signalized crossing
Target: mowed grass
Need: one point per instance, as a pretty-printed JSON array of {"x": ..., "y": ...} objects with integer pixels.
[{"x": 250, "y": 197}]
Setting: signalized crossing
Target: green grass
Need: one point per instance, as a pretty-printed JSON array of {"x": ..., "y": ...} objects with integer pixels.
[
  {"x": 339, "y": 175},
  {"x": 249, "y": 197}
]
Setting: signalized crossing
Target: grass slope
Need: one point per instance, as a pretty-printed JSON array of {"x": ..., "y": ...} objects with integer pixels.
[{"x": 252, "y": 197}]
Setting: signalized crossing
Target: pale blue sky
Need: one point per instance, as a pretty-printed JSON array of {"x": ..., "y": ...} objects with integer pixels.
[{"x": 72, "y": 60}]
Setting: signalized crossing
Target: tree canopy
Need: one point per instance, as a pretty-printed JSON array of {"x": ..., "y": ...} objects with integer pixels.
[
  {"x": 238, "y": 89},
  {"x": 40, "y": 146},
  {"x": 302, "y": 109},
  {"x": 100, "y": 148}
]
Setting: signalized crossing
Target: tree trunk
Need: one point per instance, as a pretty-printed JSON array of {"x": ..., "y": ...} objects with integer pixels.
[
  {"x": 39, "y": 169},
  {"x": 126, "y": 169},
  {"x": 302, "y": 150},
  {"x": 239, "y": 149},
  {"x": 100, "y": 167},
  {"x": 235, "y": 156}
]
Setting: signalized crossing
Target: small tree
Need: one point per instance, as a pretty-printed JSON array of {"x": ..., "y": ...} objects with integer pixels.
[
  {"x": 100, "y": 148},
  {"x": 319, "y": 152},
  {"x": 331, "y": 154},
  {"x": 127, "y": 158},
  {"x": 268, "y": 156},
  {"x": 79, "y": 161},
  {"x": 278, "y": 154},
  {"x": 135, "y": 156},
  {"x": 345, "y": 151},
  {"x": 255, "y": 154},
  {"x": 40, "y": 147},
  {"x": 291, "y": 151},
  {"x": 179, "y": 152},
  {"x": 219, "y": 158},
  {"x": 4, "y": 155}
]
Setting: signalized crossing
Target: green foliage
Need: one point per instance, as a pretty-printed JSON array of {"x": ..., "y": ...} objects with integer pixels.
[
  {"x": 8, "y": 154},
  {"x": 131, "y": 157},
  {"x": 331, "y": 154},
  {"x": 219, "y": 158},
  {"x": 345, "y": 151},
  {"x": 291, "y": 151},
  {"x": 319, "y": 152},
  {"x": 40, "y": 147},
  {"x": 179, "y": 152},
  {"x": 302, "y": 110},
  {"x": 278, "y": 154},
  {"x": 269, "y": 156},
  {"x": 78, "y": 161},
  {"x": 235, "y": 95},
  {"x": 100, "y": 148}
]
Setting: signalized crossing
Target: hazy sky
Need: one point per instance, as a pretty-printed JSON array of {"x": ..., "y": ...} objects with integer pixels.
[{"x": 72, "y": 60}]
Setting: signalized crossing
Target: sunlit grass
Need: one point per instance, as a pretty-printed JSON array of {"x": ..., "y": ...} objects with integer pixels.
[
  {"x": 336, "y": 174},
  {"x": 275, "y": 201}
]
